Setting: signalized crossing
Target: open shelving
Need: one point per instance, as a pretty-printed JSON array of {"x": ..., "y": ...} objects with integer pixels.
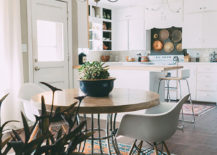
[{"x": 100, "y": 28}]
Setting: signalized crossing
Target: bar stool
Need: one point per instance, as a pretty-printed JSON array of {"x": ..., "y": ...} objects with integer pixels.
[{"x": 184, "y": 75}]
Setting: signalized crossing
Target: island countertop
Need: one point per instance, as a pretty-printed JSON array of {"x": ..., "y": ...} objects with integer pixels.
[{"x": 139, "y": 66}]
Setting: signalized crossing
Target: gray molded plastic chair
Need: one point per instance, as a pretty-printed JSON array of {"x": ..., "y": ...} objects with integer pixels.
[
  {"x": 154, "y": 127},
  {"x": 26, "y": 92}
]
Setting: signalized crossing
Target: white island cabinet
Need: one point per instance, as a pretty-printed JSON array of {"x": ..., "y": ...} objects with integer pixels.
[{"x": 137, "y": 79}]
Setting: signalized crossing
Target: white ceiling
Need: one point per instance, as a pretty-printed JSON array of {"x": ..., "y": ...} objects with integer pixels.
[{"x": 127, "y": 3}]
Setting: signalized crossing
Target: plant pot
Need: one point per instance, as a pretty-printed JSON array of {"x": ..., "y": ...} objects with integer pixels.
[{"x": 98, "y": 87}]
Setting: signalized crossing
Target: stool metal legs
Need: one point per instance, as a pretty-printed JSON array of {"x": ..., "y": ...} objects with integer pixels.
[{"x": 190, "y": 99}]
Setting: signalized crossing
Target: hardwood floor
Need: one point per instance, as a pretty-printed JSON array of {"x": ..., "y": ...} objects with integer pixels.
[{"x": 201, "y": 140}]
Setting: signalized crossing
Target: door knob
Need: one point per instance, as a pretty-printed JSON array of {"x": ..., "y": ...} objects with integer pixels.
[{"x": 37, "y": 68}]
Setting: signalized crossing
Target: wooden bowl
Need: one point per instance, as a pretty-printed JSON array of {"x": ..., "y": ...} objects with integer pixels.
[
  {"x": 157, "y": 45},
  {"x": 105, "y": 58}
]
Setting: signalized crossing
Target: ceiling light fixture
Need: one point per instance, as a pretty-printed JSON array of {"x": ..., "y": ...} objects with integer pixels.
[
  {"x": 112, "y": 1},
  {"x": 97, "y": 1}
]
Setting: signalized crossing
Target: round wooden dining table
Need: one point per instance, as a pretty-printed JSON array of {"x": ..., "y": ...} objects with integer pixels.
[{"x": 118, "y": 101}]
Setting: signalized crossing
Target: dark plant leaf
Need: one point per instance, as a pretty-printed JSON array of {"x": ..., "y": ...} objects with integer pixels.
[
  {"x": 77, "y": 130},
  {"x": 8, "y": 148},
  {"x": 29, "y": 148},
  {"x": 44, "y": 119},
  {"x": 17, "y": 136},
  {"x": 5, "y": 142},
  {"x": 80, "y": 98},
  {"x": 26, "y": 128},
  {"x": 59, "y": 134},
  {"x": 2, "y": 99},
  {"x": 51, "y": 87},
  {"x": 77, "y": 140},
  {"x": 43, "y": 107},
  {"x": 18, "y": 146},
  {"x": 43, "y": 149}
]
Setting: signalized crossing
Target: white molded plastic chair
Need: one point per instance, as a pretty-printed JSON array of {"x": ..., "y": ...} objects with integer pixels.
[
  {"x": 156, "y": 126},
  {"x": 26, "y": 92}
]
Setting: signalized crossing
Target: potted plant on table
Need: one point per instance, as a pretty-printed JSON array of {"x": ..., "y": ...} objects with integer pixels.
[{"x": 95, "y": 79}]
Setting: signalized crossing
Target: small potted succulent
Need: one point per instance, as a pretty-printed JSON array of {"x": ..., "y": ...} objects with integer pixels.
[{"x": 95, "y": 79}]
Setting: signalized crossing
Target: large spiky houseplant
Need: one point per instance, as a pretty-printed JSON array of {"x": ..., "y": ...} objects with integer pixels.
[{"x": 61, "y": 142}]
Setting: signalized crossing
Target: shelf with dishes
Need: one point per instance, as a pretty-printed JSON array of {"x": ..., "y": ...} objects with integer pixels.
[{"x": 100, "y": 28}]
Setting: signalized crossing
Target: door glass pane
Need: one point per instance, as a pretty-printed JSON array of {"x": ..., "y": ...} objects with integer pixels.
[{"x": 50, "y": 41}]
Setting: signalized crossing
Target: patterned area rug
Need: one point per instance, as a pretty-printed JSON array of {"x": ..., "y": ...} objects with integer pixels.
[
  {"x": 198, "y": 109},
  {"x": 124, "y": 149}
]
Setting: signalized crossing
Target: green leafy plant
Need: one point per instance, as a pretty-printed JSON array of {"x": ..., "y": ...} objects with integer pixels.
[
  {"x": 93, "y": 70},
  {"x": 61, "y": 142}
]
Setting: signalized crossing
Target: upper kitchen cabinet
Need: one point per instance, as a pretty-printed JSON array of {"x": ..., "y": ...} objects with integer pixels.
[
  {"x": 192, "y": 31},
  {"x": 82, "y": 24},
  {"x": 199, "y": 30},
  {"x": 121, "y": 35},
  {"x": 137, "y": 34},
  {"x": 129, "y": 29},
  {"x": 164, "y": 14},
  {"x": 209, "y": 30},
  {"x": 193, "y": 6}
]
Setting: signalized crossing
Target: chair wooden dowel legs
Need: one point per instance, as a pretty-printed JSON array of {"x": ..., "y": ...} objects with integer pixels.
[
  {"x": 140, "y": 147},
  {"x": 155, "y": 149},
  {"x": 166, "y": 148},
  {"x": 131, "y": 150}
]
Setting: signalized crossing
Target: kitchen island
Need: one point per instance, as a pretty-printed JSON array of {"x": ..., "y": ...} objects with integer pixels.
[{"x": 135, "y": 75}]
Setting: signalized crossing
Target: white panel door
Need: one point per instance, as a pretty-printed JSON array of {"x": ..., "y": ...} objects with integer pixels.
[{"x": 50, "y": 42}]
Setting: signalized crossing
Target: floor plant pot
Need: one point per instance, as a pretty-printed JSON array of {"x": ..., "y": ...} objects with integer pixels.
[{"x": 97, "y": 87}]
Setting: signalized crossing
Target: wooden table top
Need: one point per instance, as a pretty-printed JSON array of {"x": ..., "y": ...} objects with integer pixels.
[{"x": 119, "y": 100}]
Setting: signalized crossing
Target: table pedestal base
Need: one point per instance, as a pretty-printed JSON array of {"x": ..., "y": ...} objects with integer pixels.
[{"x": 110, "y": 131}]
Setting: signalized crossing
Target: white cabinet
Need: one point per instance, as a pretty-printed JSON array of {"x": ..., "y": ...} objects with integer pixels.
[
  {"x": 192, "y": 6},
  {"x": 199, "y": 30},
  {"x": 136, "y": 34},
  {"x": 210, "y": 29},
  {"x": 207, "y": 82},
  {"x": 120, "y": 35},
  {"x": 192, "y": 31},
  {"x": 200, "y": 24},
  {"x": 82, "y": 24},
  {"x": 137, "y": 79},
  {"x": 129, "y": 29},
  {"x": 192, "y": 81},
  {"x": 166, "y": 15},
  {"x": 163, "y": 19}
]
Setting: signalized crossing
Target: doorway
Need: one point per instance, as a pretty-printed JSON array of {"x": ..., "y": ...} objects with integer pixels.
[{"x": 49, "y": 57}]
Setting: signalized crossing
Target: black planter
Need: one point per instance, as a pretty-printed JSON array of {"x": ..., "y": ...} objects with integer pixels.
[{"x": 97, "y": 88}]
